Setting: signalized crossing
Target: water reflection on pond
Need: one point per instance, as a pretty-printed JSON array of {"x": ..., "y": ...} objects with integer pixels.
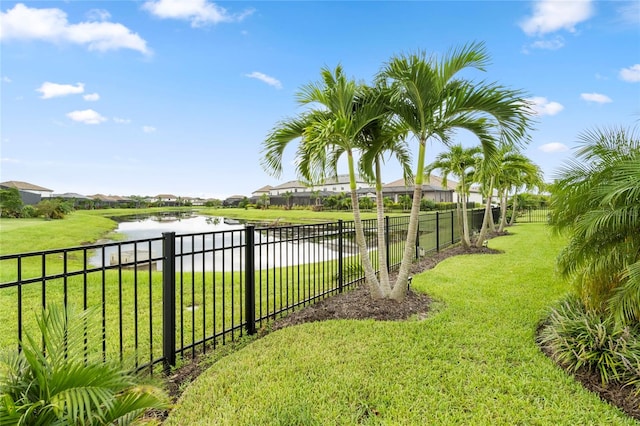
[{"x": 221, "y": 238}]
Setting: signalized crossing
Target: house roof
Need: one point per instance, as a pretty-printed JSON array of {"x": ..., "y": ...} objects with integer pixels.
[
  {"x": 265, "y": 188},
  {"x": 166, "y": 196},
  {"x": 401, "y": 185},
  {"x": 290, "y": 184},
  {"x": 26, "y": 186},
  {"x": 70, "y": 195}
]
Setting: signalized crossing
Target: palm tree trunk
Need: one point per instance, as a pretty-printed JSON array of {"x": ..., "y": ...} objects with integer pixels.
[
  {"x": 466, "y": 243},
  {"x": 515, "y": 209},
  {"x": 369, "y": 273},
  {"x": 399, "y": 290},
  {"x": 488, "y": 217},
  {"x": 385, "y": 286},
  {"x": 503, "y": 211}
]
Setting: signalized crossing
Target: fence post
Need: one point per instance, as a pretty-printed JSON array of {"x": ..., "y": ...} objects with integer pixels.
[
  {"x": 250, "y": 279},
  {"x": 169, "y": 299},
  {"x": 437, "y": 230},
  {"x": 417, "y": 249},
  {"x": 386, "y": 239},
  {"x": 340, "y": 272},
  {"x": 452, "y": 228}
]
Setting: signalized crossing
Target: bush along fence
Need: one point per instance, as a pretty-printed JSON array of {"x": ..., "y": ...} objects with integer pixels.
[{"x": 169, "y": 297}]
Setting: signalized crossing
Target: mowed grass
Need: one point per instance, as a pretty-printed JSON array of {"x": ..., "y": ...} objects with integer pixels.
[{"x": 472, "y": 361}]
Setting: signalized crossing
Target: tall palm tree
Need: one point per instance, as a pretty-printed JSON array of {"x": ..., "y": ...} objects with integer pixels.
[
  {"x": 462, "y": 163},
  {"x": 514, "y": 170},
  {"x": 382, "y": 138},
  {"x": 432, "y": 100},
  {"x": 596, "y": 202},
  {"x": 339, "y": 112},
  {"x": 529, "y": 178}
]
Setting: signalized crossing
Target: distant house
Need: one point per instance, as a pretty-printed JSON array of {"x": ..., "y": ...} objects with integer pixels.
[
  {"x": 264, "y": 190},
  {"x": 77, "y": 200},
  {"x": 233, "y": 201},
  {"x": 167, "y": 199},
  {"x": 29, "y": 193},
  {"x": 430, "y": 191}
]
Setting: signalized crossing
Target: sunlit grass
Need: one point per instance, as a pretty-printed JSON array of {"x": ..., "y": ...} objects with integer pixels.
[{"x": 474, "y": 361}]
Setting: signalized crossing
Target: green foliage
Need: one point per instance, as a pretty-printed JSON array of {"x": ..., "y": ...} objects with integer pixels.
[
  {"x": 445, "y": 206},
  {"x": 581, "y": 338},
  {"x": 10, "y": 203},
  {"x": 64, "y": 385},
  {"x": 366, "y": 203},
  {"x": 427, "y": 205},
  {"x": 28, "y": 212},
  {"x": 53, "y": 209},
  {"x": 596, "y": 202}
]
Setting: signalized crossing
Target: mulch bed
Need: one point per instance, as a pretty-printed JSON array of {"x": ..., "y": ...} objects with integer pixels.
[{"x": 357, "y": 304}]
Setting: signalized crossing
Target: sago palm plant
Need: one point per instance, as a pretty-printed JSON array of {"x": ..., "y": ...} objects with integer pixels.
[{"x": 62, "y": 385}]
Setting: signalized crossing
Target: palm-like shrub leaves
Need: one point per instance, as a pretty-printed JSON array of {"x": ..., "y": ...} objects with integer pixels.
[
  {"x": 63, "y": 384},
  {"x": 596, "y": 201}
]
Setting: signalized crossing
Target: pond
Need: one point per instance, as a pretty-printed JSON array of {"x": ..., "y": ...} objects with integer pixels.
[{"x": 223, "y": 238}]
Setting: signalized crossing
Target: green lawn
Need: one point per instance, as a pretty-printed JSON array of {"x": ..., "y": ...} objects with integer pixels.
[{"x": 474, "y": 361}]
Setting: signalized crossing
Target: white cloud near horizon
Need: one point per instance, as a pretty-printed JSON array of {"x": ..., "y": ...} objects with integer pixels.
[
  {"x": 51, "y": 25},
  {"x": 631, "y": 74},
  {"x": 271, "y": 81},
  {"x": 6, "y": 79},
  {"x": 553, "y": 147},
  {"x": 552, "y": 15},
  {"x": 87, "y": 116},
  {"x": 54, "y": 90},
  {"x": 596, "y": 97},
  {"x": 91, "y": 97},
  {"x": 542, "y": 106},
  {"x": 148, "y": 129},
  {"x": 198, "y": 12},
  {"x": 119, "y": 120},
  {"x": 9, "y": 160}
]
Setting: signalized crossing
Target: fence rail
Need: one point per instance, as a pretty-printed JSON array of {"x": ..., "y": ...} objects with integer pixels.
[{"x": 162, "y": 298}]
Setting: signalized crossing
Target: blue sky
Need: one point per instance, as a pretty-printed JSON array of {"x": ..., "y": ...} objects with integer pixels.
[{"x": 149, "y": 97}]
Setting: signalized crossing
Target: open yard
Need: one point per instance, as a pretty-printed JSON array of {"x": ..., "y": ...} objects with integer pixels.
[{"x": 473, "y": 360}]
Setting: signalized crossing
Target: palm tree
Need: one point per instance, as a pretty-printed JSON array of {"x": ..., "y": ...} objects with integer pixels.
[
  {"x": 596, "y": 202},
  {"x": 462, "y": 163},
  {"x": 513, "y": 171},
  {"x": 339, "y": 111},
  {"x": 64, "y": 385},
  {"x": 432, "y": 100},
  {"x": 529, "y": 177}
]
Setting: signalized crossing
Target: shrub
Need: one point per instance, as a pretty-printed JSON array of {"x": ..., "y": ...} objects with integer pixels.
[
  {"x": 581, "y": 338},
  {"x": 53, "y": 209},
  {"x": 29, "y": 211},
  {"x": 64, "y": 385},
  {"x": 10, "y": 203},
  {"x": 445, "y": 206},
  {"x": 427, "y": 205}
]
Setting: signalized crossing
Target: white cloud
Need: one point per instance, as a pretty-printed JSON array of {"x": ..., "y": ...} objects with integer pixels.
[
  {"x": 51, "y": 25},
  {"x": 148, "y": 129},
  {"x": 554, "y": 44},
  {"x": 596, "y": 97},
  {"x": 629, "y": 13},
  {"x": 91, "y": 97},
  {"x": 9, "y": 160},
  {"x": 87, "y": 116},
  {"x": 98, "y": 15},
  {"x": 553, "y": 15},
  {"x": 266, "y": 79},
  {"x": 6, "y": 79},
  {"x": 542, "y": 106},
  {"x": 53, "y": 90},
  {"x": 118, "y": 120},
  {"x": 631, "y": 74},
  {"x": 198, "y": 12},
  {"x": 553, "y": 147}
]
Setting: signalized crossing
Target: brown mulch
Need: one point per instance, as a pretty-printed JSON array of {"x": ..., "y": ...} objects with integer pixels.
[{"x": 357, "y": 304}]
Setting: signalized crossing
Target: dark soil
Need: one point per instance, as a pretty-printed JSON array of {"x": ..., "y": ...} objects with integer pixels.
[{"x": 357, "y": 304}]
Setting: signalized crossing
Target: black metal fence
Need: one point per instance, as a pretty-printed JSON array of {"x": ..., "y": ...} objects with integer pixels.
[
  {"x": 175, "y": 295},
  {"x": 533, "y": 215}
]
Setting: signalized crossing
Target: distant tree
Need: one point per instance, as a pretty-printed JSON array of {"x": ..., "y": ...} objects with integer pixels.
[
  {"x": 264, "y": 201},
  {"x": 10, "y": 203},
  {"x": 213, "y": 203},
  {"x": 405, "y": 201},
  {"x": 287, "y": 196},
  {"x": 244, "y": 203},
  {"x": 366, "y": 203}
]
